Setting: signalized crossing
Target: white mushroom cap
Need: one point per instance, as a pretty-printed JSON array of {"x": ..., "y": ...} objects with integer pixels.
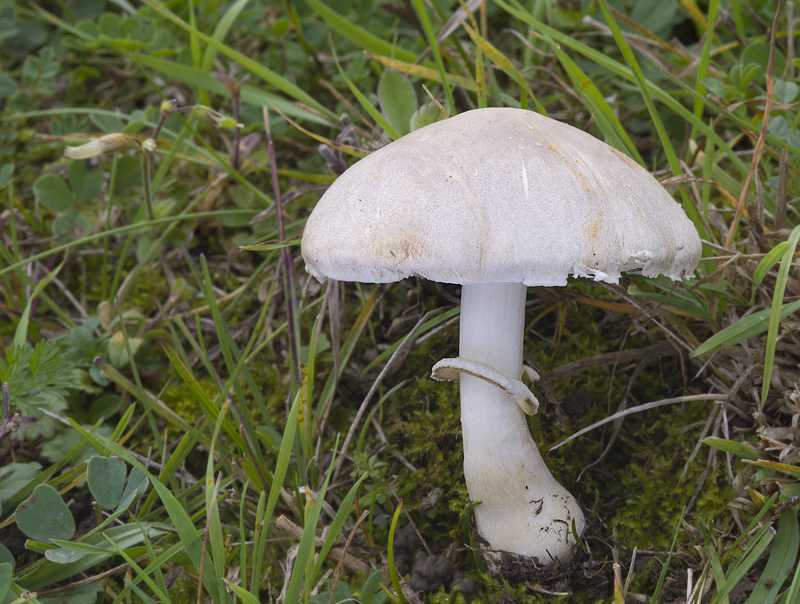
[{"x": 498, "y": 195}]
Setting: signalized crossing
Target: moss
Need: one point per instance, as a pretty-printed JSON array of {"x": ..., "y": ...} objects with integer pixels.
[
  {"x": 148, "y": 285},
  {"x": 184, "y": 591},
  {"x": 431, "y": 427},
  {"x": 651, "y": 493},
  {"x": 181, "y": 399}
]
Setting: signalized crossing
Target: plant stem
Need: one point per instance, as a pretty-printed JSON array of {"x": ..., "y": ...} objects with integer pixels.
[{"x": 288, "y": 276}]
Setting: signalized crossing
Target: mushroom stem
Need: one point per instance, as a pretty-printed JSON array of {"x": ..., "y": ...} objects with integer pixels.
[{"x": 523, "y": 509}]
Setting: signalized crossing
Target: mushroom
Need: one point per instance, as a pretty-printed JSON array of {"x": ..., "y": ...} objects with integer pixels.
[{"x": 496, "y": 200}]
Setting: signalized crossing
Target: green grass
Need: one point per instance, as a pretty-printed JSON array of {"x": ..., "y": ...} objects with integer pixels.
[{"x": 155, "y": 316}]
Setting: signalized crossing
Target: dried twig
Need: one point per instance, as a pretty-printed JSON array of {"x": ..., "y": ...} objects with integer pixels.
[{"x": 639, "y": 409}]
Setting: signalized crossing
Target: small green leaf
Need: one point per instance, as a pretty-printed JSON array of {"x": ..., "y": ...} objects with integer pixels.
[
  {"x": 785, "y": 92},
  {"x": 366, "y": 104},
  {"x": 5, "y": 580},
  {"x": 6, "y": 558},
  {"x": 111, "y": 25},
  {"x": 398, "y": 101},
  {"x": 245, "y": 596},
  {"x": 88, "y": 9},
  {"x": 14, "y": 477},
  {"x": 425, "y": 115},
  {"x": 656, "y": 16},
  {"x": 129, "y": 174},
  {"x": 221, "y": 30},
  {"x": 84, "y": 183},
  {"x": 72, "y": 221},
  {"x": 741, "y": 75},
  {"x": 62, "y": 555},
  {"x": 749, "y": 326},
  {"x": 145, "y": 247},
  {"x": 6, "y": 170},
  {"x": 106, "y": 477},
  {"x": 8, "y": 28},
  {"x": 21, "y": 334},
  {"x": 136, "y": 487},
  {"x": 8, "y": 86},
  {"x": 757, "y": 53},
  {"x": 118, "y": 350},
  {"x": 53, "y": 193},
  {"x": 372, "y": 593},
  {"x": 392, "y": 568},
  {"x": 104, "y": 406},
  {"x": 86, "y": 28},
  {"x": 779, "y": 127},
  {"x": 108, "y": 124},
  {"x": 44, "y": 516},
  {"x": 280, "y": 26}
]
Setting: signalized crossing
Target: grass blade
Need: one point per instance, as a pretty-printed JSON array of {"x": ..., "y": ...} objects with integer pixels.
[
  {"x": 748, "y": 327},
  {"x": 776, "y": 312},
  {"x": 222, "y": 28},
  {"x": 665, "y": 568},
  {"x": 745, "y": 562},
  {"x": 21, "y": 333},
  {"x": 370, "y": 108},
  {"x": 301, "y": 573},
  {"x": 731, "y": 446},
  {"x": 359, "y": 36},
  {"x": 422, "y": 15},
  {"x": 420, "y": 71},
  {"x": 767, "y": 262},
  {"x": 705, "y": 58},
  {"x": 197, "y": 78},
  {"x": 338, "y": 522},
  {"x": 783, "y": 468},
  {"x": 781, "y": 559},
  {"x": 613, "y": 131},
  {"x": 499, "y": 59},
  {"x": 646, "y": 93},
  {"x": 284, "y": 456}
]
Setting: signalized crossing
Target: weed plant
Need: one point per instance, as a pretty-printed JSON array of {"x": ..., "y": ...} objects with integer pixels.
[{"x": 189, "y": 417}]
